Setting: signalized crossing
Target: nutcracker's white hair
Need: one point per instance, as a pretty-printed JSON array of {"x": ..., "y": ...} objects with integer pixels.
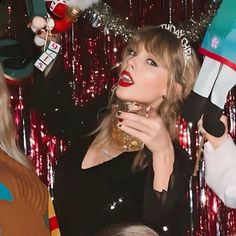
[{"x": 82, "y": 4}]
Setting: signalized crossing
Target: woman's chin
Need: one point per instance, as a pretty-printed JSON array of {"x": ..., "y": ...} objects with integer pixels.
[
  {"x": 119, "y": 94},
  {"x": 122, "y": 93},
  {"x": 123, "y": 98}
]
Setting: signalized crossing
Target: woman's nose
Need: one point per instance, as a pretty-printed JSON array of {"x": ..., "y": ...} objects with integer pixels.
[{"x": 131, "y": 62}]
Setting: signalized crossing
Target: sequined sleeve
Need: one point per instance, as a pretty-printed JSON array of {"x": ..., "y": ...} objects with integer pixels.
[
  {"x": 51, "y": 97},
  {"x": 161, "y": 209}
]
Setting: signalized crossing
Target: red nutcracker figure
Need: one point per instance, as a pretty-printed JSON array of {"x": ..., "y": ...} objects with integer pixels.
[{"x": 60, "y": 17}]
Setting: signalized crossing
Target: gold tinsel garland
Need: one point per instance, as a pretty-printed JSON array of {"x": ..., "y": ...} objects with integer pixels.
[{"x": 100, "y": 16}]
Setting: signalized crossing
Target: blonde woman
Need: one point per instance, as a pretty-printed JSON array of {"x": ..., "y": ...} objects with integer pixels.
[
  {"x": 23, "y": 197},
  {"x": 98, "y": 183},
  {"x": 128, "y": 230}
]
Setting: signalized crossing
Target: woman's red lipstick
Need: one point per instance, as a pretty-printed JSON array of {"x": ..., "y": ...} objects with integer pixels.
[{"x": 125, "y": 79}]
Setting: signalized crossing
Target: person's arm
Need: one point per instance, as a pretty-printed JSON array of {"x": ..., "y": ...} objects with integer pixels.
[
  {"x": 162, "y": 208},
  {"x": 220, "y": 168},
  {"x": 166, "y": 184},
  {"x": 51, "y": 97},
  {"x": 220, "y": 165},
  {"x": 163, "y": 162}
]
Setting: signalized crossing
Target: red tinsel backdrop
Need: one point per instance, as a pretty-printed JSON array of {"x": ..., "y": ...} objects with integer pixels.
[{"x": 90, "y": 48}]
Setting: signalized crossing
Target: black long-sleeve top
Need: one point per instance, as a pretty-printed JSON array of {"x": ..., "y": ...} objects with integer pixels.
[{"x": 86, "y": 200}]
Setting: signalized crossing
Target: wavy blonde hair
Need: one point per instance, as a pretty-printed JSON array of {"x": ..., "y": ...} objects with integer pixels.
[
  {"x": 166, "y": 47},
  {"x": 127, "y": 230},
  {"x": 8, "y": 141}
]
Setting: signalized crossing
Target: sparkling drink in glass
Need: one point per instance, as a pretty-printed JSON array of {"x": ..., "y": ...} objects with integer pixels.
[{"x": 127, "y": 142}]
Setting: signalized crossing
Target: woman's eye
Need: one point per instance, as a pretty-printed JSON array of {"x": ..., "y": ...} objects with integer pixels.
[
  {"x": 151, "y": 62},
  {"x": 131, "y": 52}
]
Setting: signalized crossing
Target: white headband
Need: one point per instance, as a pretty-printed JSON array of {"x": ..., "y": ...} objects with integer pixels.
[{"x": 180, "y": 34}]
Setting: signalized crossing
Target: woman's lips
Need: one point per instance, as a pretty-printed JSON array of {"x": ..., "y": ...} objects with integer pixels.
[{"x": 125, "y": 79}]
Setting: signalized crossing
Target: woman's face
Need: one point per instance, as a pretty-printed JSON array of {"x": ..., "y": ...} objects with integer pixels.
[{"x": 142, "y": 79}]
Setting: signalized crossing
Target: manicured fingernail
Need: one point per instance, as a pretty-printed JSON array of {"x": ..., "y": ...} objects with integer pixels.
[
  {"x": 119, "y": 125},
  {"x": 118, "y": 113},
  {"x": 120, "y": 120}
]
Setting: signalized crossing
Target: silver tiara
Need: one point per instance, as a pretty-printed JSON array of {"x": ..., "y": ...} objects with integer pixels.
[{"x": 180, "y": 34}]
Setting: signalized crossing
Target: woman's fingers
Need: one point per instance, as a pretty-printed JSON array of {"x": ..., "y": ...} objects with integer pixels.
[{"x": 150, "y": 130}]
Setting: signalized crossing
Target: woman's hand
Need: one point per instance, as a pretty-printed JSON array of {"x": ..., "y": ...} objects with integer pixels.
[
  {"x": 214, "y": 141},
  {"x": 152, "y": 131}
]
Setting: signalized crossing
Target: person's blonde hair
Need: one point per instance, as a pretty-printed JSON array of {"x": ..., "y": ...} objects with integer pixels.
[
  {"x": 167, "y": 48},
  {"x": 127, "y": 230},
  {"x": 8, "y": 141}
]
